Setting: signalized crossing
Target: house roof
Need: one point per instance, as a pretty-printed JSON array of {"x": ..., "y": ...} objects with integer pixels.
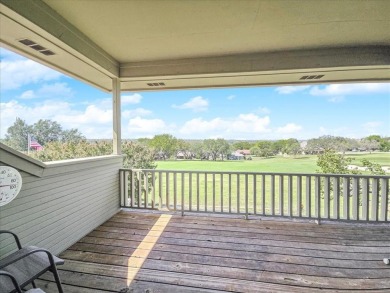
[{"x": 154, "y": 45}]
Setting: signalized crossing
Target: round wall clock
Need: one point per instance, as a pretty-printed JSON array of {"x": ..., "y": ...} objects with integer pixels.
[{"x": 10, "y": 184}]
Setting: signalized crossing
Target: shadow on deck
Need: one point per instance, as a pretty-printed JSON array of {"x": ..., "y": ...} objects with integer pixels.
[{"x": 153, "y": 252}]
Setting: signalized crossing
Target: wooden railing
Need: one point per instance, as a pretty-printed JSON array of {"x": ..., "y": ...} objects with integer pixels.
[{"x": 312, "y": 196}]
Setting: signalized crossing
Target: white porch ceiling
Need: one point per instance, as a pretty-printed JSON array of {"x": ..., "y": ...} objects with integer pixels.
[{"x": 209, "y": 43}]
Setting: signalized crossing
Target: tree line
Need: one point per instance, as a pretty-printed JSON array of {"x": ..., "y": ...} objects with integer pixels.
[{"x": 65, "y": 144}]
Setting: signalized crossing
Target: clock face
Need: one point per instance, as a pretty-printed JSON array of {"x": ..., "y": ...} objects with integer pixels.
[{"x": 10, "y": 184}]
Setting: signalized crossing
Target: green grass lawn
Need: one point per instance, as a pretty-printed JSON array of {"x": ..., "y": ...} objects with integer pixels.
[{"x": 298, "y": 164}]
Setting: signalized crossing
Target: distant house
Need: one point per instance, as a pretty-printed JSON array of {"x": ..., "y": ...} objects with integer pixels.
[
  {"x": 182, "y": 155},
  {"x": 236, "y": 156},
  {"x": 244, "y": 152}
]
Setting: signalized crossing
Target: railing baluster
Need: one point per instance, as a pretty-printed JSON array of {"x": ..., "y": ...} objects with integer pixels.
[
  {"x": 326, "y": 197},
  {"x": 213, "y": 192},
  {"x": 221, "y": 179},
  {"x": 254, "y": 194},
  {"x": 153, "y": 189},
  {"x": 160, "y": 198},
  {"x": 272, "y": 195},
  {"x": 132, "y": 189},
  {"x": 355, "y": 198},
  {"x": 299, "y": 196},
  {"x": 374, "y": 200},
  {"x": 346, "y": 198},
  {"x": 281, "y": 195},
  {"x": 197, "y": 191},
  {"x": 167, "y": 191},
  {"x": 139, "y": 187},
  {"x": 336, "y": 202},
  {"x": 230, "y": 193},
  {"x": 263, "y": 194},
  {"x": 174, "y": 191},
  {"x": 365, "y": 198},
  {"x": 190, "y": 191},
  {"x": 290, "y": 196},
  {"x": 308, "y": 196},
  {"x": 205, "y": 192},
  {"x": 317, "y": 183},
  {"x": 122, "y": 187},
  {"x": 146, "y": 189},
  {"x": 384, "y": 199},
  {"x": 182, "y": 193},
  {"x": 238, "y": 193},
  {"x": 246, "y": 197}
]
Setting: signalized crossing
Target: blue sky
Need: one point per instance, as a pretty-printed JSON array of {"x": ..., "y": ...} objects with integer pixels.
[{"x": 32, "y": 92}]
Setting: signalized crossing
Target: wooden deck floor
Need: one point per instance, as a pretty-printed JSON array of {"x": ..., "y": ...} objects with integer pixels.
[{"x": 156, "y": 253}]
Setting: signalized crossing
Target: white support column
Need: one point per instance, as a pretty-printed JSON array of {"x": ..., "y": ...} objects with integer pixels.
[{"x": 116, "y": 110}]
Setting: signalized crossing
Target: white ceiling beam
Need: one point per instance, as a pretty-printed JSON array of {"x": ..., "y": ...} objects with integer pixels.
[
  {"x": 58, "y": 30},
  {"x": 369, "y": 57}
]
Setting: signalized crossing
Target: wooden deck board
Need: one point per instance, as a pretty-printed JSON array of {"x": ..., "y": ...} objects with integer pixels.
[{"x": 214, "y": 254}]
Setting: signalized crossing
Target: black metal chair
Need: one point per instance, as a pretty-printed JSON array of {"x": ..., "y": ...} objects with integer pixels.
[
  {"x": 27, "y": 264},
  {"x": 6, "y": 277}
]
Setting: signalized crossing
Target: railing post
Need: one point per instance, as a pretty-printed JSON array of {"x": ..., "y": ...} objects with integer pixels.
[{"x": 384, "y": 199}]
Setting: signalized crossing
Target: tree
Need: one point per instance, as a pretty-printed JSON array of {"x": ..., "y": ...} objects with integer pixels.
[
  {"x": 45, "y": 131},
  {"x": 266, "y": 148},
  {"x": 384, "y": 143},
  {"x": 331, "y": 162},
  {"x": 72, "y": 135},
  {"x": 216, "y": 147},
  {"x": 17, "y": 135},
  {"x": 137, "y": 156},
  {"x": 255, "y": 151},
  {"x": 242, "y": 145},
  {"x": 164, "y": 145},
  {"x": 197, "y": 149}
]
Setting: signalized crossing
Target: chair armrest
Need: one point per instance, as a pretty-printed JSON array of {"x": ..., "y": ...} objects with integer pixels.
[
  {"x": 15, "y": 237},
  {"x": 4, "y": 273},
  {"x": 27, "y": 253}
]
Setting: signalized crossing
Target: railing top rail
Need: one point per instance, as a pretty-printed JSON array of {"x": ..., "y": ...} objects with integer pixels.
[{"x": 256, "y": 173}]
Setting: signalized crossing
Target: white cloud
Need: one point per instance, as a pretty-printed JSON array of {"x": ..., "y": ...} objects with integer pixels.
[
  {"x": 93, "y": 121},
  {"x": 131, "y": 99},
  {"x": 336, "y": 99},
  {"x": 289, "y": 128},
  {"x": 372, "y": 126},
  {"x": 263, "y": 110},
  {"x": 242, "y": 126},
  {"x": 231, "y": 97},
  {"x": 27, "y": 95},
  {"x": 143, "y": 127},
  {"x": 350, "y": 89},
  {"x": 197, "y": 104},
  {"x": 136, "y": 112},
  {"x": 285, "y": 90},
  {"x": 49, "y": 91},
  {"x": 18, "y": 73}
]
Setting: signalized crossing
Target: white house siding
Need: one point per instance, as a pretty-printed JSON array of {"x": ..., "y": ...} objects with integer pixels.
[{"x": 69, "y": 200}]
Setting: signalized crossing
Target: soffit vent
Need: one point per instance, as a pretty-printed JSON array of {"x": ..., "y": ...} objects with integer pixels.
[
  {"x": 305, "y": 77},
  {"x": 36, "y": 47},
  {"x": 156, "y": 84}
]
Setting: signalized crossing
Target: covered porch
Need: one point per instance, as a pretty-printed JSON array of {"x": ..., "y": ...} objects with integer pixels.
[
  {"x": 73, "y": 208},
  {"x": 164, "y": 252}
]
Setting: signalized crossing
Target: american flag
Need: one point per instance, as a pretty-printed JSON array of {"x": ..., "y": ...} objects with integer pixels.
[{"x": 34, "y": 144}]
